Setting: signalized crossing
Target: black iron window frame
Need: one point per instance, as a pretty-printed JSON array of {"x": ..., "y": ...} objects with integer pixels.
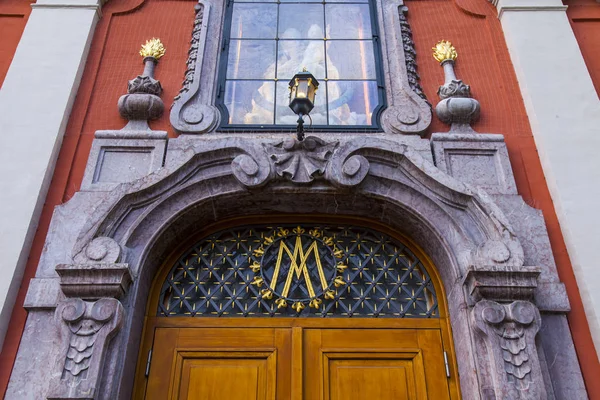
[{"x": 225, "y": 127}]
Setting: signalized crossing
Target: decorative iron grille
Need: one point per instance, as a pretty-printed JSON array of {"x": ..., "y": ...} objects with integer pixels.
[{"x": 299, "y": 270}]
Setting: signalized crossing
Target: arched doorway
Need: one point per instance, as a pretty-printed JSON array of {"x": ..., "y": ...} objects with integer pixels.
[
  {"x": 298, "y": 308},
  {"x": 105, "y": 251}
]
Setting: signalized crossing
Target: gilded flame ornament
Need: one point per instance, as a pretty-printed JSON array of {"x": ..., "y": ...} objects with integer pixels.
[
  {"x": 153, "y": 48},
  {"x": 298, "y": 268},
  {"x": 444, "y": 51}
]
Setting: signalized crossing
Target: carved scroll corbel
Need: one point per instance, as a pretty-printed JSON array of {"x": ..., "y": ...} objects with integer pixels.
[
  {"x": 88, "y": 318},
  {"x": 509, "y": 332},
  {"x": 506, "y": 322},
  {"x": 192, "y": 110},
  {"x": 86, "y": 330}
]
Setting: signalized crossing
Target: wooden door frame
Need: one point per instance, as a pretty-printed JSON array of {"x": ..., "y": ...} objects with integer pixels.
[{"x": 296, "y": 324}]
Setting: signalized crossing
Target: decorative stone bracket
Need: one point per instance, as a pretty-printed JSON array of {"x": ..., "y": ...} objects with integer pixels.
[
  {"x": 510, "y": 331},
  {"x": 86, "y": 328},
  {"x": 89, "y": 317},
  {"x": 507, "y": 322}
]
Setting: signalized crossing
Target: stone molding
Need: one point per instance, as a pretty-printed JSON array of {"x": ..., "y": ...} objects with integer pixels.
[
  {"x": 349, "y": 163},
  {"x": 89, "y": 317},
  {"x": 93, "y": 281},
  {"x": 407, "y": 112}
]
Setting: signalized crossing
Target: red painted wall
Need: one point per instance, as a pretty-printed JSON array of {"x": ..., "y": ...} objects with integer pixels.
[
  {"x": 13, "y": 17},
  {"x": 584, "y": 16},
  {"x": 483, "y": 63}
]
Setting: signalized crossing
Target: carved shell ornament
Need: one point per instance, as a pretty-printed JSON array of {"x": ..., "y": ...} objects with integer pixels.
[
  {"x": 301, "y": 161},
  {"x": 298, "y": 268}
]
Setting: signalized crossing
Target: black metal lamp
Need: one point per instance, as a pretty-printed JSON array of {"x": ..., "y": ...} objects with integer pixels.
[{"x": 303, "y": 88}]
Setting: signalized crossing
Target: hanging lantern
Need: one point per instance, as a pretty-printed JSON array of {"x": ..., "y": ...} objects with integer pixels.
[{"x": 303, "y": 88}]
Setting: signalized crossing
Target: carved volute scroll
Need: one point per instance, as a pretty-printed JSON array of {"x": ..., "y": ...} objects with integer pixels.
[
  {"x": 192, "y": 111},
  {"x": 408, "y": 111}
]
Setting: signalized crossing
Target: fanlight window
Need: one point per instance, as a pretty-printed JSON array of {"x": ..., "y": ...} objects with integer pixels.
[
  {"x": 306, "y": 270},
  {"x": 267, "y": 42}
]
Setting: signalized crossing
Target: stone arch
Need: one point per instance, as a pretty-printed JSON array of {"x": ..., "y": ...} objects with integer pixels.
[{"x": 137, "y": 224}]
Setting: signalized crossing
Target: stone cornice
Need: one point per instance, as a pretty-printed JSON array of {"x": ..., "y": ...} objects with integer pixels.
[
  {"x": 95, "y": 5},
  {"x": 528, "y": 5}
]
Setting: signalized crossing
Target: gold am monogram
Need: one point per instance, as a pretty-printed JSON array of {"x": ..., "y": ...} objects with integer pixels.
[{"x": 298, "y": 263}]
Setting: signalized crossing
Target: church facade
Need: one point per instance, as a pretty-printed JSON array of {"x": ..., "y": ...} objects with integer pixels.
[{"x": 196, "y": 243}]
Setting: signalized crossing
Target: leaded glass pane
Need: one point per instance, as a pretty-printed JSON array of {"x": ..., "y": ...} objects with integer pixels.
[
  {"x": 257, "y": 111},
  {"x": 254, "y": 21},
  {"x": 306, "y": 270},
  {"x": 361, "y": 66},
  {"x": 293, "y": 53},
  {"x": 348, "y": 21},
  {"x": 251, "y": 59},
  {"x": 351, "y": 102},
  {"x": 303, "y": 21}
]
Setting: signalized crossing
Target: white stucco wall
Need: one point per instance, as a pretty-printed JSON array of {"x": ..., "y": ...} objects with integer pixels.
[
  {"x": 35, "y": 102},
  {"x": 564, "y": 112}
]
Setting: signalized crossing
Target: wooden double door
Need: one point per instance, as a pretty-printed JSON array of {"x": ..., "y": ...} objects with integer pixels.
[{"x": 298, "y": 360}]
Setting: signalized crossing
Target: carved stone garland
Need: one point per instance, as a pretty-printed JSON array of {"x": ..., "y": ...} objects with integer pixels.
[
  {"x": 410, "y": 53},
  {"x": 192, "y": 53}
]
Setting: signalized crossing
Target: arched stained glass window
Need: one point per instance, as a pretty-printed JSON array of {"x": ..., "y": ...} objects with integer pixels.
[
  {"x": 267, "y": 42},
  {"x": 298, "y": 270}
]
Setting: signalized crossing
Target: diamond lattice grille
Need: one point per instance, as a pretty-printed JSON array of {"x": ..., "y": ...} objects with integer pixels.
[{"x": 351, "y": 272}]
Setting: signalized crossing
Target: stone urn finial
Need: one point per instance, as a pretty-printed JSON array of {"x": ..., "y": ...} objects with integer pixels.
[
  {"x": 456, "y": 107},
  {"x": 142, "y": 103}
]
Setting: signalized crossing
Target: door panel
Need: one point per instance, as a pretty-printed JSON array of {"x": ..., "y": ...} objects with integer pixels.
[
  {"x": 373, "y": 363},
  {"x": 297, "y": 363},
  {"x": 204, "y": 375},
  {"x": 218, "y": 364}
]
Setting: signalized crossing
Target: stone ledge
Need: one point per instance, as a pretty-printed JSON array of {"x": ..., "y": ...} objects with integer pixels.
[
  {"x": 552, "y": 297},
  {"x": 501, "y": 284},
  {"x": 43, "y": 293},
  {"x": 94, "y": 281}
]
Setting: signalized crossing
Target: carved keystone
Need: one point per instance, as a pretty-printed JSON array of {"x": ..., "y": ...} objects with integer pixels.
[{"x": 301, "y": 161}]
